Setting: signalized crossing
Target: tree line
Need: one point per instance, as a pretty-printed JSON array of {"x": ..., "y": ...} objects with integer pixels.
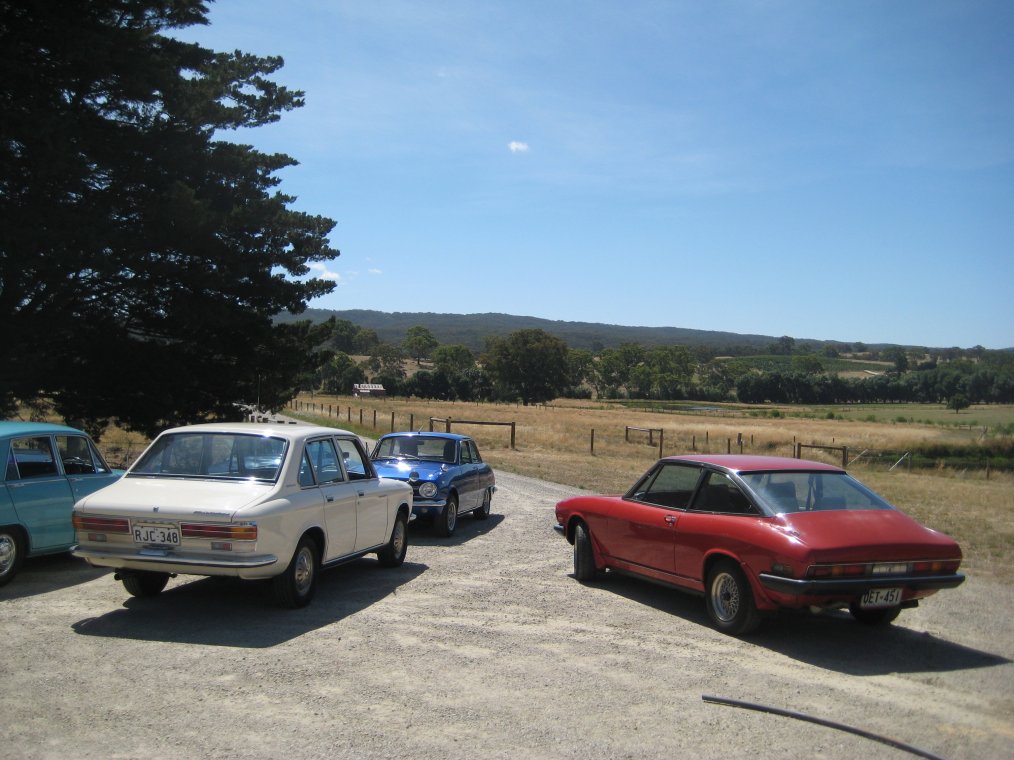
[{"x": 532, "y": 366}]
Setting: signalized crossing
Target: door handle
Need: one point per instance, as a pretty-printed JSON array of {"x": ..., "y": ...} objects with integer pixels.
[
  {"x": 329, "y": 498},
  {"x": 361, "y": 493},
  {"x": 670, "y": 519}
]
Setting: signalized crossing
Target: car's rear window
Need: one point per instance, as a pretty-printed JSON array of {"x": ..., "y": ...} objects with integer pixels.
[
  {"x": 795, "y": 491},
  {"x": 415, "y": 447},
  {"x": 228, "y": 456}
]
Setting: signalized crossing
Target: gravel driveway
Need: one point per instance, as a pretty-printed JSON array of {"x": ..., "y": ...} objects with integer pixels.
[{"x": 482, "y": 645}]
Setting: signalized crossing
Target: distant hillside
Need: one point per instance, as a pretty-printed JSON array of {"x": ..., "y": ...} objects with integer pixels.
[{"x": 471, "y": 330}]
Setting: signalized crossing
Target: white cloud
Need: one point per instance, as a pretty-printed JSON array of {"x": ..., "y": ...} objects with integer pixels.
[
  {"x": 375, "y": 271},
  {"x": 320, "y": 270},
  {"x": 517, "y": 147}
]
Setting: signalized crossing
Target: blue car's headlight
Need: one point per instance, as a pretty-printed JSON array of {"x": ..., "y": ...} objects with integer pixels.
[{"x": 428, "y": 490}]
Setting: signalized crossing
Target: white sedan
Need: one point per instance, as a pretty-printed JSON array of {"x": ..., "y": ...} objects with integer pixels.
[{"x": 246, "y": 500}]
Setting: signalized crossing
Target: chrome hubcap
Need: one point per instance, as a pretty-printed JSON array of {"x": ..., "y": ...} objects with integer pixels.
[
  {"x": 8, "y": 553},
  {"x": 304, "y": 570},
  {"x": 452, "y": 514},
  {"x": 725, "y": 596},
  {"x": 398, "y": 542}
]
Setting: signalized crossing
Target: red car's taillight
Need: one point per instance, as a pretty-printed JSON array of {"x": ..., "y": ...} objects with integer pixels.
[
  {"x": 936, "y": 567},
  {"x": 882, "y": 569}
]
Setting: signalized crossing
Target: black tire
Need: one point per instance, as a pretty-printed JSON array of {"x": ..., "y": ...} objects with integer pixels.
[
  {"x": 12, "y": 552},
  {"x": 296, "y": 586},
  {"x": 878, "y": 616},
  {"x": 445, "y": 523},
  {"x": 729, "y": 599},
  {"x": 393, "y": 553},
  {"x": 145, "y": 584},
  {"x": 584, "y": 556},
  {"x": 483, "y": 510}
]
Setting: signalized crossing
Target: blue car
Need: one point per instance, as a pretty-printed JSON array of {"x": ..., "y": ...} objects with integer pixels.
[
  {"x": 48, "y": 468},
  {"x": 447, "y": 475}
]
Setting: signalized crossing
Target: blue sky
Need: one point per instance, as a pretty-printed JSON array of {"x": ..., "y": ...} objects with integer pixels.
[{"x": 838, "y": 170}]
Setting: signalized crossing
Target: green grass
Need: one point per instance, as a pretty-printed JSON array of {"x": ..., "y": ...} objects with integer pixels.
[{"x": 993, "y": 417}]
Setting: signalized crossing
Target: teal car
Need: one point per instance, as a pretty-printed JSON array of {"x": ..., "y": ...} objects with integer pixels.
[{"x": 48, "y": 468}]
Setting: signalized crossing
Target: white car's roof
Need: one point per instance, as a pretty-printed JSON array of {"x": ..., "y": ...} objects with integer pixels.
[{"x": 277, "y": 429}]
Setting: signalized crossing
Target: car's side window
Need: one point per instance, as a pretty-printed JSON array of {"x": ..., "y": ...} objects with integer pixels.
[
  {"x": 450, "y": 453},
  {"x": 33, "y": 457},
  {"x": 356, "y": 462},
  {"x": 466, "y": 452},
  {"x": 79, "y": 456},
  {"x": 306, "y": 471},
  {"x": 324, "y": 460},
  {"x": 671, "y": 485},
  {"x": 476, "y": 459},
  {"x": 719, "y": 494}
]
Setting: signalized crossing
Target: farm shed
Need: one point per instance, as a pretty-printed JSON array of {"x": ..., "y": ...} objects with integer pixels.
[{"x": 368, "y": 389}]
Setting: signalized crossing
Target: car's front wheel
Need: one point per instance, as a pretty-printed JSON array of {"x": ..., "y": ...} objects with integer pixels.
[
  {"x": 447, "y": 520},
  {"x": 729, "y": 599},
  {"x": 11, "y": 553},
  {"x": 145, "y": 583},
  {"x": 483, "y": 511},
  {"x": 877, "y": 616},
  {"x": 584, "y": 554},
  {"x": 393, "y": 553},
  {"x": 296, "y": 585}
]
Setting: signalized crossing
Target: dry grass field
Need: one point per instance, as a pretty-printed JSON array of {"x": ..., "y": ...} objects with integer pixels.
[{"x": 554, "y": 443}]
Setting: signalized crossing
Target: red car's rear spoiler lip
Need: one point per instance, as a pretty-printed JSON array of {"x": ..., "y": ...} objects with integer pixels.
[{"x": 801, "y": 587}]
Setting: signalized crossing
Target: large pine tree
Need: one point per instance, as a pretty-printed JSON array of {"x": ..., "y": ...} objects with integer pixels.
[{"x": 142, "y": 256}]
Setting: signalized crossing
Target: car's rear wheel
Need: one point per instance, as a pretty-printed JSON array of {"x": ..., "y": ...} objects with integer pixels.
[
  {"x": 145, "y": 583},
  {"x": 11, "y": 553},
  {"x": 296, "y": 585},
  {"x": 447, "y": 520},
  {"x": 393, "y": 553},
  {"x": 483, "y": 511},
  {"x": 584, "y": 555},
  {"x": 729, "y": 599},
  {"x": 877, "y": 616}
]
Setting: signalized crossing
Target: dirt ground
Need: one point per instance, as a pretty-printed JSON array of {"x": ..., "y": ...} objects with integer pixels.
[{"x": 483, "y": 645}]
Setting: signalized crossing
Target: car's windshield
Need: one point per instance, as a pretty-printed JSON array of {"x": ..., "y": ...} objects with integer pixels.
[
  {"x": 415, "y": 447},
  {"x": 784, "y": 492},
  {"x": 213, "y": 455}
]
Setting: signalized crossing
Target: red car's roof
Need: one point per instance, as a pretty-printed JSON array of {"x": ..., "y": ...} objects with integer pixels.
[{"x": 754, "y": 463}]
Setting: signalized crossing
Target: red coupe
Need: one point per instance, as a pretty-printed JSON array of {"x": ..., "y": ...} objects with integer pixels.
[{"x": 754, "y": 534}]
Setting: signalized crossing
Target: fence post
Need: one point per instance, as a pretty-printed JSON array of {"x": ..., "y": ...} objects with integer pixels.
[
  {"x": 360, "y": 415},
  {"x": 661, "y": 435},
  {"x": 411, "y": 421},
  {"x": 374, "y": 419},
  {"x": 392, "y": 422},
  {"x": 513, "y": 426},
  {"x": 593, "y": 449}
]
